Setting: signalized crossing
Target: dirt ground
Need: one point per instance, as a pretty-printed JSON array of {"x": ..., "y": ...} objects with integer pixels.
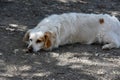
[{"x": 69, "y": 62}]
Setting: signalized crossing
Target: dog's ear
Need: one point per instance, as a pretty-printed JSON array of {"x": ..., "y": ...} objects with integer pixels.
[
  {"x": 47, "y": 37},
  {"x": 26, "y": 36}
]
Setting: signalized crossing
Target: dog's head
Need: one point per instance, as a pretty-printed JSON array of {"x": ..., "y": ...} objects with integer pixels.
[{"x": 38, "y": 40}]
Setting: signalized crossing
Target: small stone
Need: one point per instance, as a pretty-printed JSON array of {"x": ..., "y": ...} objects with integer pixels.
[
  {"x": 97, "y": 54},
  {"x": 16, "y": 50},
  {"x": 27, "y": 51},
  {"x": 13, "y": 25},
  {"x": 10, "y": 29},
  {"x": 1, "y": 54}
]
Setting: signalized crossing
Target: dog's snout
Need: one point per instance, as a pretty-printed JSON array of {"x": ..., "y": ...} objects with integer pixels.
[{"x": 30, "y": 49}]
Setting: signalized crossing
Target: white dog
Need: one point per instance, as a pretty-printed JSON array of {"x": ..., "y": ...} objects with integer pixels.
[{"x": 67, "y": 28}]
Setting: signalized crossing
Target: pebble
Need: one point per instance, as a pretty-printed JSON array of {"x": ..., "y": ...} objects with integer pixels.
[{"x": 16, "y": 50}]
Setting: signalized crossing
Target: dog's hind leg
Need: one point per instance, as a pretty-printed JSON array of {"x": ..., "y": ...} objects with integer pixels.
[
  {"x": 111, "y": 41},
  {"x": 110, "y": 46}
]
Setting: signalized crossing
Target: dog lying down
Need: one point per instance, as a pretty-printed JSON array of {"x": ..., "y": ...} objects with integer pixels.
[{"x": 68, "y": 28}]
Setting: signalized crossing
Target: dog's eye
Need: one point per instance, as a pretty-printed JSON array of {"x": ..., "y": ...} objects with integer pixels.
[
  {"x": 38, "y": 41},
  {"x": 30, "y": 39}
]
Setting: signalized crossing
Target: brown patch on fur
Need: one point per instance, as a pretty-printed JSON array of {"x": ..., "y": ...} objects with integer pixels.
[
  {"x": 47, "y": 38},
  {"x": 41, "y": 39},
  {"x": 26, "y": 36},
  {"x": 101, "y": 21}
]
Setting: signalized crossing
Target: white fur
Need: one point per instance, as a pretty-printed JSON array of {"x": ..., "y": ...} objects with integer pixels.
[{"x": 78, "y": 27}]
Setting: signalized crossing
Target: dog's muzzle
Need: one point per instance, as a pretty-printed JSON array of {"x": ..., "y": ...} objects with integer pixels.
[{"x": 30, "y": 49}]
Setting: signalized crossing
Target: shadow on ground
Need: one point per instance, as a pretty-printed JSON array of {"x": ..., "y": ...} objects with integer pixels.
[{"x": 69, "y": 62}]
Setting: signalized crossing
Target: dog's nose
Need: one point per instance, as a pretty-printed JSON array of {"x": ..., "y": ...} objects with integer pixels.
[{"x": 30, "y": 49}]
